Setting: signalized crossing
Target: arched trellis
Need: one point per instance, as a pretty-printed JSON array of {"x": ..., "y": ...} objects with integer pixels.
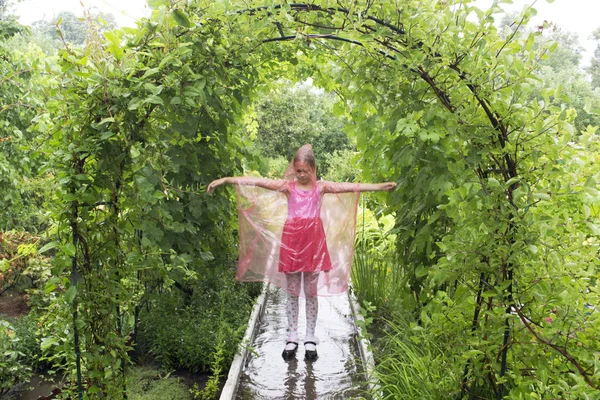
[
  {"x": 131, "y": 105},
  {"x": 389, "y": 44},
  {"x": 393, "y": 45}
]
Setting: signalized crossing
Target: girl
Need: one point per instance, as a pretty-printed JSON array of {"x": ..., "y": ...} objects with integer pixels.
[{"x": 306, "y": 252}]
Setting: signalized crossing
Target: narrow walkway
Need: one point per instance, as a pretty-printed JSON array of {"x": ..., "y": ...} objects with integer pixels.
[{"x": 337, "y": 374}]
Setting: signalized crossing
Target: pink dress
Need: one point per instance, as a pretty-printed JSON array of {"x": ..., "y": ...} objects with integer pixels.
[
  {"x": 303, "y": 240},
  {"x": 267, "y": 254}
]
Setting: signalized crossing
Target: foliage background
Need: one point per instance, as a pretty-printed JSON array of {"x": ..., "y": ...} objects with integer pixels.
[{"x": 491, "y": 282}]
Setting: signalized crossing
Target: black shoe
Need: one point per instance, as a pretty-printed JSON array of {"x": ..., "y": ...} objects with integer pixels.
[
  {"x": 288, "y": 354},
  {"x": 310, "y": 355}
]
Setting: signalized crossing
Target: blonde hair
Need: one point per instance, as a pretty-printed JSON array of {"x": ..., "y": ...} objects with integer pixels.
[{"x": 305, "y": 154}]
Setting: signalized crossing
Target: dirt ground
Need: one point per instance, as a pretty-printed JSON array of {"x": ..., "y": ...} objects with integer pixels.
[{"x": 13, "y": 304}]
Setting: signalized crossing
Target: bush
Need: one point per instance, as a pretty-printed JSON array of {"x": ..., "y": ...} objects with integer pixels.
[
  {"x": 411, "y": 365},
  {"x": 340, "y": 166},
  {"x": 25, "y": 328},
  {"x": 182, "y": 331},
  {"x": 13, "y": 368},
  {"x": 21, "y": 266},
  {"x": 376, "y": 277},
  {"x": 145, "y": 383}
]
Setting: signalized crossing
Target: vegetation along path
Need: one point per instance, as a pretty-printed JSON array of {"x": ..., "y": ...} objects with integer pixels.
[{"x": 485, "y": 284}]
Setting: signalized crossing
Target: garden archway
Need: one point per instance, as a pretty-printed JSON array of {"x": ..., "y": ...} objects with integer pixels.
[{"x": 438, "y": 100}]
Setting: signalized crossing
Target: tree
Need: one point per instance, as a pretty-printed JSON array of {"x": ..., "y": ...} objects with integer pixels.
[
  {"x": 560, "y": 69},
  {"x": 437, "y": 100},
  {"x": 594, "y": 68},
  {"x": 568, "y": 51},
  {"x": 74, "y": 29},
  {"x": 22, "y": 188},
  {"x": 289, "y": 117}
]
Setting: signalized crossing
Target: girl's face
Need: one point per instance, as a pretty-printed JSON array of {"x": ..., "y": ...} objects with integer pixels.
[{"x": 303, "y": 172}]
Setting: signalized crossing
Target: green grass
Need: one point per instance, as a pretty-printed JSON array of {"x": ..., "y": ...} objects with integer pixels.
[
  {"x": 411, "y": 366},
  {"x": 145, "y": 383}
]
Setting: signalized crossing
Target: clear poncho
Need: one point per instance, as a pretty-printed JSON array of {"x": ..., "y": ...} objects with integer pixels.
[{"x": 293, "y": 230}]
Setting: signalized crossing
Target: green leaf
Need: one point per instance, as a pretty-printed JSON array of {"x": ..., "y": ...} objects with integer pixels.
[
  {"x": 48, "y": 342},
  {"x": 150, "y": 72},
  {"x": 106, "y": 120},
  {"x": 595, "y": 228},
  {"x": 154, "y": 4},
  {"x": 134, "y": 151},
  {"x": 153, "y": 100},
  {"x": 541, "y": 196},
  {"x": 114, "y": 45},
  {"x": 93, "y": 389},
  {"x": 588, "y": 105},
  {"x": 51, "y": 285},
  {"x": 48, "y": 246},
  {"x": 421, "y": 272},
  {"x": 180, "y": 18},
  {"x": 134, "y": 103},
  {"x": 68, "y": 249},
  {"x": 70, "y": 294},
  {"x": 513, "y": 180},
  {"x": 590, "y": 182},
  {"x": 107, "y": 135}
]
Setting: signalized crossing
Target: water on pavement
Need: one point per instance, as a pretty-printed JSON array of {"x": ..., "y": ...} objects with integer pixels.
[{"x": 336, "y": 374}]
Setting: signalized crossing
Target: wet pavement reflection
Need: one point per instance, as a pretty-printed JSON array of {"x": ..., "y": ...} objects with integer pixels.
[{"x": 336, "y": 374}]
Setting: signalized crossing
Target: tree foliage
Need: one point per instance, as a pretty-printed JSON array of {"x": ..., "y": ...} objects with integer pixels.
[
  {"x": 67, "y": 27},
  {"x": 287, "y": 118},
  {"x": 594, "y": 68},
  {"x": 492, "y": 207},
  {"x": 22, "y": 188}
]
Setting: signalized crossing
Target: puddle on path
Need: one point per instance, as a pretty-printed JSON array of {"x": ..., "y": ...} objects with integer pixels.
[
  {"x": 336, "y": 374},
  {"x": 38, "y": 387}
]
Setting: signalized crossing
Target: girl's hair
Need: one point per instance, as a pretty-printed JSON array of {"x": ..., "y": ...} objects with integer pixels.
[{"x": 305, "y": 154}]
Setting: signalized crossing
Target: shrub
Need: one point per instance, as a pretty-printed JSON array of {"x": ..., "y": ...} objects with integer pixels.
[
  {"x": 25, "y": 328},
  {"x": 145, "y": 383},
  {"x": 183, "y": 332},
  {"x": 13, "y": 369},
  {"x": 376, "y": 277},
  {"x": 411, "y": 365}
]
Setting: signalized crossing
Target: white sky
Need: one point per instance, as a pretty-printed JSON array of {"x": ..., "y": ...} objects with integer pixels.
[
  {"x": 578, "y": 16},
  {"x": 126, "y": 12}
]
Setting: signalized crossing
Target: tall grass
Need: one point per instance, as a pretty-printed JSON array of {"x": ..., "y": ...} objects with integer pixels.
[
  {"x": 376, "y": 277},
  {"x": 375, "y": 280},
  {"x": 411, "y": 366}
]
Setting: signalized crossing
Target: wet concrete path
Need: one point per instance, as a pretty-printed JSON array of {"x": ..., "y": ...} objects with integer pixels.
[{"x": 336, "y": 374}]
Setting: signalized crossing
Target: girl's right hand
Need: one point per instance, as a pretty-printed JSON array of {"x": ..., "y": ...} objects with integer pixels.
[{"x": 214, "y": 184}]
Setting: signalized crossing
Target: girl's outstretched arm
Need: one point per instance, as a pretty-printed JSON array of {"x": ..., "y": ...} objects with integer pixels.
[
  {"x": 247, "y": 180},
  {"x": 338, "y": 187}
]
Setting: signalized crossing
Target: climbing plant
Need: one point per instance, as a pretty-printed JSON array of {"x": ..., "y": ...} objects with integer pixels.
[
  {"x": 22, "y": 189},
  {"x": 140, "y": 121}
]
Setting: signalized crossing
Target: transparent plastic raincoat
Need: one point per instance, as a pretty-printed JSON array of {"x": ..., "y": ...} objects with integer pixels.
[{"x": 304, "y": 226}]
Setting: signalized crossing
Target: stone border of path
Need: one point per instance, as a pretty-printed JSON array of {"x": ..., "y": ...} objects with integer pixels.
[
  {"x": 364, "y": 346},
  {"x": 235, "y": 371}
]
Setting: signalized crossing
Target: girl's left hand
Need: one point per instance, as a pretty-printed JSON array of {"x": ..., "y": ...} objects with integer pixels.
[{"x": 388, "y": 186}]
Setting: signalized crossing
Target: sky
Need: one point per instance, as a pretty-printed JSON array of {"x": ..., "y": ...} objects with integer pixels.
[
  {"x": 578, "y": 16},
  {"x": 126, "y": 12}
]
